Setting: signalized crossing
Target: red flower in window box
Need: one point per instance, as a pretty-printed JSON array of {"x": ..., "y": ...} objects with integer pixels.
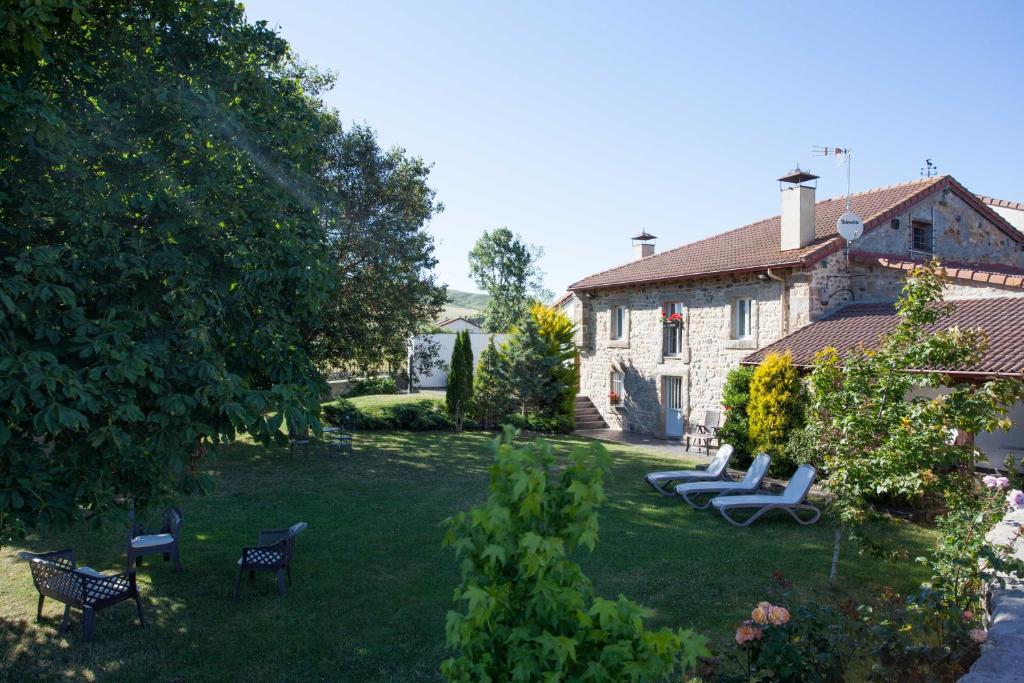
[
  {"x": 671, "y": 318},
  {"x": 614, "y": 398}
]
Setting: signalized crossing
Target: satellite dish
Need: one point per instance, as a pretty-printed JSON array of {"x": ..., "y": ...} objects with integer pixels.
[{"x": 850, "y": 226}]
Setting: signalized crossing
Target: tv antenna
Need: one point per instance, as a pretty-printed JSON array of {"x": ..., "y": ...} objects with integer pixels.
[
  {"x": 850, "y": 226},
  {"x": 929, "y": 170},
  {"x": 842, "y": 155}
]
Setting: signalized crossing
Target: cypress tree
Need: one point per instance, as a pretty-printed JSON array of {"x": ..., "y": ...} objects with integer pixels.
[{"x": 460, "y": 380}]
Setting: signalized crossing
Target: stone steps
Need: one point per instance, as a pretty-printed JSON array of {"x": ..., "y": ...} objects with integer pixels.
[{"x": 587, "y": 416}]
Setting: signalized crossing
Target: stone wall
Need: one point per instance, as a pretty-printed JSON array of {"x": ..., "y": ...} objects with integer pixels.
[
  {"x": 961, "y": 234},
  {"x": 707, "y": 355},
  {"x": 1002, "y": 655}
]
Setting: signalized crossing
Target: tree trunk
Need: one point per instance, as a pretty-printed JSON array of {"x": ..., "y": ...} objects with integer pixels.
[{"x": 833, "y": 574}]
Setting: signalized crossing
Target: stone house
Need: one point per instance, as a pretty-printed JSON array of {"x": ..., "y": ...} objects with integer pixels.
[{"x": 660, "y": 333}]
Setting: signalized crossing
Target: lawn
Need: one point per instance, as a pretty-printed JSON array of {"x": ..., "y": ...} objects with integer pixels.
[
  {"x": 377, "y": 401},
  {"x": 371, "y": 581}
]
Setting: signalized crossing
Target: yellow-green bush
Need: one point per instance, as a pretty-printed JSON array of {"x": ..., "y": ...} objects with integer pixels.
[{"x": 775, "y": 408}]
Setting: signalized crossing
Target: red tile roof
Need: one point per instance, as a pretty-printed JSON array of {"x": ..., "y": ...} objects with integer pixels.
[
  {"x": 1005, "y": 203},
  {"x": 986, "y": 273},
  {"x": 757, "y": 246},
  {"x": 861, "y": 325}
]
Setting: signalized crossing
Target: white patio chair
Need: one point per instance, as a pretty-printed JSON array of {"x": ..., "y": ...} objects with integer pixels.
[
  {"x": 791, "y": 500},
  {"x": 716, "y": 469}
]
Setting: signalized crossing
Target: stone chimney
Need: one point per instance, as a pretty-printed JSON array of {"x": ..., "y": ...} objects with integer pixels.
[
  {"x": 643, "y": 245},
  {"x": 797, "y": 209}
]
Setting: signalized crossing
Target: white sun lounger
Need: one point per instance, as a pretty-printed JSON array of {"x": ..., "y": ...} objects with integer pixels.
[
  {"x": 750, "y": 483},
  {"x": 791, "y": 500},
  {"x": 664, "y": 481}
]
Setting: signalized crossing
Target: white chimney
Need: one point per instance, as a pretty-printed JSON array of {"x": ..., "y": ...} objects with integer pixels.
[
  {"x": 797, "y": 209},
  {"x": 643, "y": 245}
]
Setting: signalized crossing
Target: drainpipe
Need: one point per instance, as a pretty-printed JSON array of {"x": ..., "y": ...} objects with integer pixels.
[{"x": 783, "y": 303}]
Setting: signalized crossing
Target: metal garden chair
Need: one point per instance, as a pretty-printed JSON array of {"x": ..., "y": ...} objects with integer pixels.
[
  {"x": 272, "y": 553},
  {"x": 164, "y": 542},
  {"x": 56, "y": 576}
]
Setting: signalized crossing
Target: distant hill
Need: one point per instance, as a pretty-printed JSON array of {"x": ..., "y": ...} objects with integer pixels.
[{"x": 464, "y": 304}]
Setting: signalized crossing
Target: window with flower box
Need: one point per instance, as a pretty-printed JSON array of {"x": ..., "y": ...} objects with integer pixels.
[
  {"x": 672, "y": 319},
  {"x": 617, "y": 388}
]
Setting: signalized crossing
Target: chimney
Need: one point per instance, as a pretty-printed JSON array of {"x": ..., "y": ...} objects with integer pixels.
[
  {"x": 797, "y": 209},
  {"x": 643, "y": 245}
]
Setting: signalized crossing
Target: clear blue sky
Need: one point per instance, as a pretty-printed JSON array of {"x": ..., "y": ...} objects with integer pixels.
[{"x": 577, "y": 125}]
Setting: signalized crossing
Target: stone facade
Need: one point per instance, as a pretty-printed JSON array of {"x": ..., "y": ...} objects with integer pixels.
[{"x": 709, "y": 350}]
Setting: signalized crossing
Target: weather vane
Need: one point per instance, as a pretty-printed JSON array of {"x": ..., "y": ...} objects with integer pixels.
[{"x": 929, "y": 170}]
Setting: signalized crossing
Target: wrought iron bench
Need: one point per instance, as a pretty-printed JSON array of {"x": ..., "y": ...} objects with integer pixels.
[
  {"x": 164, "y": 542},
  {"x": 272, "y": 553},
  {"x": 56, "y": 576}
]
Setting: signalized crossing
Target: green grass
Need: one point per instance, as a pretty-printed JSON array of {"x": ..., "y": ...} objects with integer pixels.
[
  {"x": 372, "y": 583},
  {"x": 377, "y": 401}
]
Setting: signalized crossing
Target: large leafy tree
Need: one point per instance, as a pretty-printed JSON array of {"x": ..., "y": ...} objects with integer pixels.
[
  {"x": 874, "y": 436},
  {"x": 378, "y": 204},
  {"x": 506, "y": 267},
  {"x": 162, "y": 252}
]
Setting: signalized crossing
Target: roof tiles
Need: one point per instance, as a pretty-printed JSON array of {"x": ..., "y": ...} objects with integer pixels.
[
  {"x": 757, "y": 246},
  {"x": 862, "y": 325}
]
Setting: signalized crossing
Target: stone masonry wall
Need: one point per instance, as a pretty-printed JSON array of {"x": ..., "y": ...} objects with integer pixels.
[
  {"x": 709, "y": 353},
  {"x": 708, "y": 350},
  {"x": 961, "y": 233}
]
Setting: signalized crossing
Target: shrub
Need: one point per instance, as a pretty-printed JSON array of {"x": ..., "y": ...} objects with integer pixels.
[
  {"x": 558, "y": 329},
  {"x": 813, "y": 644},
  {"x": 417, "y": 416},
  {"x": 556, "y": 424},
  {"x": 776, "y": 406},
  {"x": 736, "y": 429},
  {"x": 491, "y": 399},
  {"x": 529, "y": 611},
  {"x": 370, "y": 386}
]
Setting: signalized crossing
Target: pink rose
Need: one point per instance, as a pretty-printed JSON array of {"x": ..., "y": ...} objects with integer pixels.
[
  {"x": 978, "y": 635},
  {"x": 1002, "y": 482},
  {"x": 967, "y": 615},
  {"x": 989, "y": 481},
  {"x": 745, "y": 634},
  {"x": 778, "y": 616},
  {"x": 1015, "y": 499}
]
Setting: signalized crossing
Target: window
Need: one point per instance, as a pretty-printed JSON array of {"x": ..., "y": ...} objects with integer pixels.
[
  {"x": 618, "y": 323},
  {"x": 922, "y": 237},
  {"x": 617, "y": 388},
  {"x": 672, "y": 335},
  {"x": 741, "y": 318}
]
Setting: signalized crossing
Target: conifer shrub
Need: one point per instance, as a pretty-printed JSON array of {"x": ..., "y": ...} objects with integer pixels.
[
  {"x": 775, "y": 409},
  {"x": 459, "y": 395},
  {"x": 492, "y": 399}
]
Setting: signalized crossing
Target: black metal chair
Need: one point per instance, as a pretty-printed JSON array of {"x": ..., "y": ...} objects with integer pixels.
[
  {"x": 338, "y": 440},
  {"x": 56, "y": 576},
  {"x": 164, "y": 542},
  {"x": 272, "y": 553}
]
